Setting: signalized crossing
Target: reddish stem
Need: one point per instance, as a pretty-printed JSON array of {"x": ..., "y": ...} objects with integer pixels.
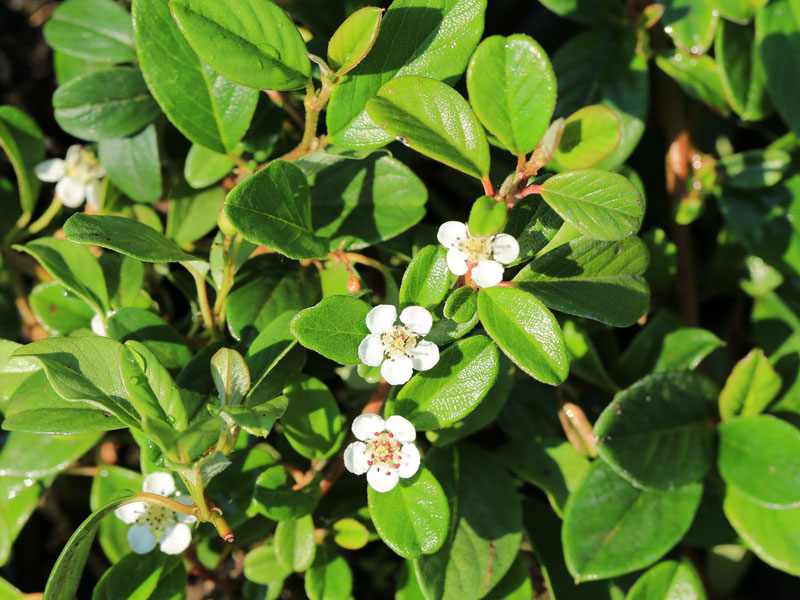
[{"x": 488, "y": 188}]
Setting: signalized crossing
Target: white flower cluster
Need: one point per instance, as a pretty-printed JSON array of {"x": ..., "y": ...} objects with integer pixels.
[
  {"x": 485, "y": 254},
  {"x": 77, "y": 177}
]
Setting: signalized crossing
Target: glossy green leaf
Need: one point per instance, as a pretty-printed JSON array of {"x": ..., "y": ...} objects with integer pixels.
[
  {"x": 777, "y": 24},
  {"x": 512, "y": 88},
  {"x": 354, "y": 39},
  {"x": 698, "y": 76},
  {"x": 125, "y": 236},
  {"x": 67, "y": 66},
  {"x": 294, "y": 543},
  {"x": 533, "y": 223},
  {"x": 601, "y": 205},
  {"x": 598, "y": 280},
  {"x": 134, "y": 577},
  {"x": 112, "y": 533},
  {"x": 690, "y": 24},
  {"x": 20, "y": 498},
  {"x": 132, "y": 163},
  {"x": 74, "y": 266},
  {"x": 754, "y": 169},
  {"x": 257, "y": 419},
  {"x": 526, "y": 331},
  {"x": 204, "y": 167},
  {"x": 750, "y": 387},
  {"x": 432, "y": 118},
  {"x": 612, "y": 528},
  {"x": 669, "y": 579},
  {"x": 273, "y": 347},
  {"x": 273, "y": 208},
  {"x": 152, "y": 331},
  {"x": 741, "y": 70},
  {"x": 312, "y": 422},
  {"x": 350, "y": 534},
  {"x": 261, "y": 565},
  {"x": 453, "y": 387},
  {"x": 274, "y": 497},
  {"x": 231, "y": 376},
  {"x": 96, "y": 30},
  {"x": 758, "y": 456},
  {"x": 59, "y": 310},
  {"x": 105, "y": 104},
  {"x": 444, "y": 34},
  {"x": 739, "y": 11},
  {"x": 334, "y": 328},
  {"x": 590, "y": 135},
  {"x": 658, "y": 433},
  {"x": 251, "y": 42},
  {"x": 207, "y": 108},
  {"x": 685, "y": 348},
  {"x": 329, "y": 578},
  {"x": 23, "y": 142},
  {"x": 461, "y": 304},
  {"x": 427, "y": 278}
]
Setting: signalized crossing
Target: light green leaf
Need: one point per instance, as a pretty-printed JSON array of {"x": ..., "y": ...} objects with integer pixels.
[
  {"x": 750, "y": 387},
  {"x": 590, "y": 135},
  {"x": 23, "y": 142},
  {"x": 685, "y": 348},
  {"x": 690, "y": 24},
  {"x": 19, "y": 499},
  {"x": 134, "y": 577},
  {"x": 204, "y": 167},
  {"x": 669, "y": 579},
  {"x": 96, "y": 30},
  {"x": 256, "y": 420},
  {"x": 334, "y": 328},
  {"x": 461, "y": 304},
  {"x": 59, "y": 310},
  {"x": 739, "y": 11},
  {"x": 274, "y": 497},
  {"x": 698, "y": 76},
  {"x": 329, "y": 578},
  {"x": 231, "y": 376},
  {"x": 132, "y": 163},
  {"x": 312, "y": 422},
  {"x": 427, "y": 278},
  {"x": 354, "y": 39},
  {"x": 350, "y": 534},
  {"x": 160, "y": 381},
  {"x": 755, "y": 169},
  {"x": 261, "y": 565},
  {"x": 585, "y": 361},
  {"x": 152, "y": 331},
  {"x": 295, "y": 546}
]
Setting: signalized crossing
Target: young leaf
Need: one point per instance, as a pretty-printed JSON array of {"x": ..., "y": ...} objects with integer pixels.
[
  {"x": 354, "y": 39},
  {"x": 273, "y": 208},
  {"x": 334, "y": 328},
  {"x": 23, "y": 142},
  {"x": 612, "y": 528},
  {"x": 412, "y": 519},
  {"x": 251, "y": 42},
  {"x": 599, "y": 204},
  {"x": 207, "y": 108},
  {"x": 512, "y": 88},
  {"x": 294, "y": 543},
  {"x": 758, "y": 456},
  {"x": 669, "y": 579},
  {"x": 231, "y": 376},
  {"x": 741, "y": 70},
  {"x": 106, "y": 104},
  {"x": 204, "y": 167},
  {"x": 312, "y": 422},
  {"x": 526, "y": 331},
  {"x": 132, "y": 163},
  {"x": 750, "y": 387},
  {"x": 426, "y": 279},
  {"x": 658, "y": 433},
  {"x": 590, "y": 135},
  {"x": 350, "y": 534},
  {"x": 597, "y": 280},
  {"x": 777, "y": 24}
]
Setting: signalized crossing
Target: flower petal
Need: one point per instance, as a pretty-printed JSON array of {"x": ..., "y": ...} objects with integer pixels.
[
  {"x": 73, "y": 156},
  {"x": 70, "y": 192},
  {"x": 425, "y": 355},
  {"x": 94, "y": 193},
  {"x": 488, "y": 273},
  {"x": 177, "y": 537},
  {"x": 396, "y": 371},
  {"x": 99, "y": 325},
  {"x": 130, "y": 512},
  {"x": 456, "y": 261},
  {"x": 401, "y": 428},
  {"x": 505, "y": 248},
  {"x": 381, "y": 318},
  {"x": 364, "y": 426},
  {"x": 160, "y": 483},
  {"x": 382, "y": 479},
  {"x": 355, "y": 458},
  {"x": 451, "y": 233},
  {"x": 409, "y": 460},
  {"x": 141, "y": 539},
  {"x": 51, "y": 170},
  {"x": 186, "y": 500},
  {"x": 371, "y": 350},
  {"x": 417, "y": 319}
]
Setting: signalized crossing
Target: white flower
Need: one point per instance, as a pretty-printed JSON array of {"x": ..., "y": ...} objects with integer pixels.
[
  {"x": 385, "y": 450},
  {"x": 78, "y": 176},
  {"x": 153, "y": 523},
  {"x": 99, "y": 325},
  {"x": 399, "y": 343},
  {"x": 486, "y": 254}
]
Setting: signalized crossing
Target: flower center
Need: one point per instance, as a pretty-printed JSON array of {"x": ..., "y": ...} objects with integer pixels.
[
  {"x": 155, "y": 517},
  {"x": 384, "y": 451},
  {"x": 399, "y": 342},
  {"x": 477, "y": 248}
]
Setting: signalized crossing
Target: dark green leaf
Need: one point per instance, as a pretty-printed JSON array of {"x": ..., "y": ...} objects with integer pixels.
[
  {"x": 274, "y": 497},
  {"x": 334, "y": 328},
  {"x": 690, "y": 24},
  {"x": 133, "y": 165},
  {"x": 698, "y": 76},
  {"x": 19, "y": 499},
  {"x": 589, "y": 12},
  {"x": 134, "y": 577},
  {"x": 261, "y": 565},
  {"x": 312, "y": 422},
  {"x": 192, "y": 214},
  {"x": 755, "y": 169},
  {"x": 685, "y": 348},
  {"x": 143, "y": 326},
  {"x": 741, "y": 70},
  {"x": 426, "y": 279},
  {"x": 777, "y": 25},
  {"x": 584, "y": 359},
  {"x": 533, "y": 223},
  {"x": 96, "y": 30},
  {"x": 23, "y": 142},
  {"x": 750, "y": 387}
]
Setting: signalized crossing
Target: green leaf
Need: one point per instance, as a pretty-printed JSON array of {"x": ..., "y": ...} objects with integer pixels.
[
  {"x": 312, "y": 422},
  {"x": 59, "y": 310},
  {"x": 750, "y": 387},
  {"x": 461, "y": 304},
  {"x": 486, "y": 532},
  {"x": 205, "y": 167},
  {"x": 295, "y": 547},
  {"x": 644, "y": 350},
  {"x": 698, "y": 76},
  {"x": 758, "y": 456},
  {"x": 439, "y": 45},
  {"x": 768, "y": 532},
  {"x": 133, "y": 165},
  {"x": 669, "y": 579},
  {"x": 261, "y": 565},
  {"x": 334, "y": 328},
  {"x": 251, "y": 42},
  {"x": 602, "y": 66},
  {"x": 159, "y": 338},
  {"x": 755, "y": 169},
  {"x": 741, "y": 70},
  {"x": 354, "y": 39},
  {"x": 134, "y": 577},
  {"x": 207, "y": 108},
  {"x": 533, "y": 223},
  {"x": 777, "y": 25},
  {"x": 67, "y": 66},
  {"x": 453, "y": 387},
  {"x": 329, "y": 578},
  {"x": 272, "y": 347},
  {"x": 597, "y": 280},
  {"x": 110, "y": 481},
  {"x": 659, "y": 433},
  {"x": 74, "y": 266},
  {"x": 192, "y": 213},
  {"x": 601, "y": 205},
  {"x": 450, "y": 134},
  {"x": 20, "y": 497},
  {"x": 526, "y": 331},
  {"x": 739, "y": 11},
  {"x": 512, "y": 88},
  {"x": 585, "y": 361},
  {"x": 23, "y": 142},
  {"x": 690, "y": 24},
  {"x": 413, "y": 518},
  {"x": 612, "y": 528},
  {"x": 590, "y": 135},
  {"x": 685, "y": 348},
  {"x": 427, "y": 278},
  {"x": 125, "y": 236},
  {"x": 256, "y": 420},
  {"x": 589, "y": 12},
  {"x": 516, "y": 585},
  {"x": 274, "y": 497},
  {"x": 350, "y": 534},
  {"x": 231, "y": 376},
  {"x": 105, "y": 104},
  {"x": 273, "y": 208},
  {"x": 96, "y": 30},
  {"x": 160, "y": 381},
  {"x": 66, "y": 574}
]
